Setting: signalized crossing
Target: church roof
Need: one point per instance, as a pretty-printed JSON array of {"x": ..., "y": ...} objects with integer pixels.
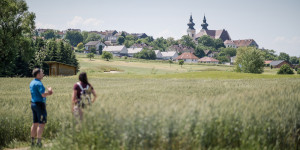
[{"x": 215, "y": 34}]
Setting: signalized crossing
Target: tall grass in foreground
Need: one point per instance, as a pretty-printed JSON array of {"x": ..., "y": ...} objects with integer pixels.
[{"x": 162, "y": 114}]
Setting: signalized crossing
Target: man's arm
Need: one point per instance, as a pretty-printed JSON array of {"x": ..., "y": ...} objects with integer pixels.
[{"x": 48, "y": 93}]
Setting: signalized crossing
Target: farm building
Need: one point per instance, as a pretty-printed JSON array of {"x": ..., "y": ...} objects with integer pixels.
[
  {"x": 158, "y": 54},
  {"x": 169, "y": 55},
  {"x": 267, "y": 62},
  {"x": 208, "y": 60},
  {"x": 120, "y": 50},
  {"x": 132, "y": 51},
  {"x": 187, "y": 58},
  {"x": 279, "y": 63},
  {"x": 60, "y": 69}
]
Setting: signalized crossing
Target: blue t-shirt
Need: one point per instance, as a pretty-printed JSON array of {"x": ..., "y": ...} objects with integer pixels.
[{"x": 37, "y": 89}]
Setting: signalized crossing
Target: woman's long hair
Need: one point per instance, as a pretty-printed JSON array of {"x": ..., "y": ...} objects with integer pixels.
[{"x": 83, "y": 78}]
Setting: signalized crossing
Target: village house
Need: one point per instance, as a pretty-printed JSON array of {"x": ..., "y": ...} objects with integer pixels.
[
  {"x": 240, "y": 43},
  {"x": 158, "y": 54},
  {"x": 279, "y": 63},
  {"x": 169, "y": 55},
  {"x": 187, "y": 58},
  {"x": 120, "y": 50},
  {"x": 208, "y": 60},
  {"x": 267, "y": 62},
  {"x": 96, "y": 44},
  {"x": 132, "y": 51}
]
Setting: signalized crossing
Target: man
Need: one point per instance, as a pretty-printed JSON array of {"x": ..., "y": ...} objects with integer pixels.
[{"x": 38, "y": 106}]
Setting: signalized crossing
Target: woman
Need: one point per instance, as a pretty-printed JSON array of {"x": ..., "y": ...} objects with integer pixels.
[{"x": 82, "y": 95}]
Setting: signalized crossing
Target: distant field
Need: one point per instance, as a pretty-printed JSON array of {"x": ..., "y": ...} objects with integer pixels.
[{"x": 150, "y": 105}]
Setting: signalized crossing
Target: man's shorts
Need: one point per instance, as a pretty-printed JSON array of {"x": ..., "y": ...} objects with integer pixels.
[{"x": 39, "y": 112}]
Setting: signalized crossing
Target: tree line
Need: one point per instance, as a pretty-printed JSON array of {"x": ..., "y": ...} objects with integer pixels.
[{"x": 20, "y": 50}]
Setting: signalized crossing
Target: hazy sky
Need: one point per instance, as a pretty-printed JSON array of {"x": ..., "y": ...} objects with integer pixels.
[{"x": 273, "y": 24}]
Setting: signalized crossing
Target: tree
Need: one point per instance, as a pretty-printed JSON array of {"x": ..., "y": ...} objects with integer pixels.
[
  {"x": 93, "y": 37},
  {"x": 121, "y": 40},
  {"x": 100, "y": 49},
  {"x": 160, "y": 44},
  {"x": 74, "y": 37},
  {"x": 285, "y": 69},
  {"x": 223, "y": 59},
  {"x": 16, "y": 32},
  {"x": 187, "y": 41},
  {"x": 294, "y": 60},
  {"x": 284, "y": 56},
  {"x": 80, "y": 46},
  {"x": 90, "y": 55},
  {"x": 107, "y": 55},
  {"x": 85, "y": 35},
  {"x": 170, "y": 62},
  {"x": 269, "y": 54},
  {"x": 93, "y": 50},
  {"x": 199, "y": 51},
  {"x": 206, "y": 41},
  {"x": 249, "y": 60},
  {"x": 229, "y": 51},
  {"x": 49, "y": 34},
  {"x": 218, "y": 43},
  {"x": 181, "y": 62},
  {"x": 145, "y": 54}
]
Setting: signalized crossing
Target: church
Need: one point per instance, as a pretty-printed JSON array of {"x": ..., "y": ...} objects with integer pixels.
[{"x": 215, "y": 34}]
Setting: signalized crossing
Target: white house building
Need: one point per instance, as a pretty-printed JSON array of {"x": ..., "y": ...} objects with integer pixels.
[
  {"x": 96, "y": 44},
  {"x": 120, "y": 50},
  {"x": 240, "y": 43},
  {"x": 169, "y": 55},
  {"x": 187, "y": 58},
  {"x": 132, "y": 51},
  {"x": 158, "y": 54}
]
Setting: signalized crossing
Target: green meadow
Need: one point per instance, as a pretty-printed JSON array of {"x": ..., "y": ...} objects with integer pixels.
[{"x": 156, "y": 105}]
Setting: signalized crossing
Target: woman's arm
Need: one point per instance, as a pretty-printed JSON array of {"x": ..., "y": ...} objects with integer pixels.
[
  {"x": 95, "y": 95},
  {"x": 73, "y": 99}
]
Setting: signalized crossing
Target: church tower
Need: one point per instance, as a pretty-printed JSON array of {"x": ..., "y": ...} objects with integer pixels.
[
  {"x": 204, "y": 24},
  {"x": 191, "y": 30}
]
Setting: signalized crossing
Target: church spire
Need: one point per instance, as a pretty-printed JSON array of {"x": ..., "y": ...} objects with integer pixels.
[
  {"x": 191, "y": 23},
  {"x": 204, "y": 24}
]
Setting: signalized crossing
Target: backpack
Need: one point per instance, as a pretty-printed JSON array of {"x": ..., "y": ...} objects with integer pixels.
[{"x": 85, "y": 95}]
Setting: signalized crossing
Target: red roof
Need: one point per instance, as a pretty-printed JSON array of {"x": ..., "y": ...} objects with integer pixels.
[
  {"x": 268, "y": 61},
  {"x": 187, "y": 56},
  {"x": 208, "y": 59}
]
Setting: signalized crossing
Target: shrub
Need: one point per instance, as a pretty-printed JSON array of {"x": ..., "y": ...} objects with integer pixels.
[
  {"x": 285, "y": 69},
  {"x": 90, "y": 55},
  {"x": 298, "y": 71}
]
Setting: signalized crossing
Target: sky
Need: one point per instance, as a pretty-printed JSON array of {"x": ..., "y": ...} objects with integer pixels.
[{"x": 273, "y": 24}]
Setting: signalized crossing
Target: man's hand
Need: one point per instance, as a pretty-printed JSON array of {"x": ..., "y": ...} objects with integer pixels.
[{"x": 50, "y": 90}]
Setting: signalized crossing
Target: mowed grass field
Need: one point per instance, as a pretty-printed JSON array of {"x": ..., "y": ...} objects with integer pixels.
[{"x": 150, "y": 105}]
